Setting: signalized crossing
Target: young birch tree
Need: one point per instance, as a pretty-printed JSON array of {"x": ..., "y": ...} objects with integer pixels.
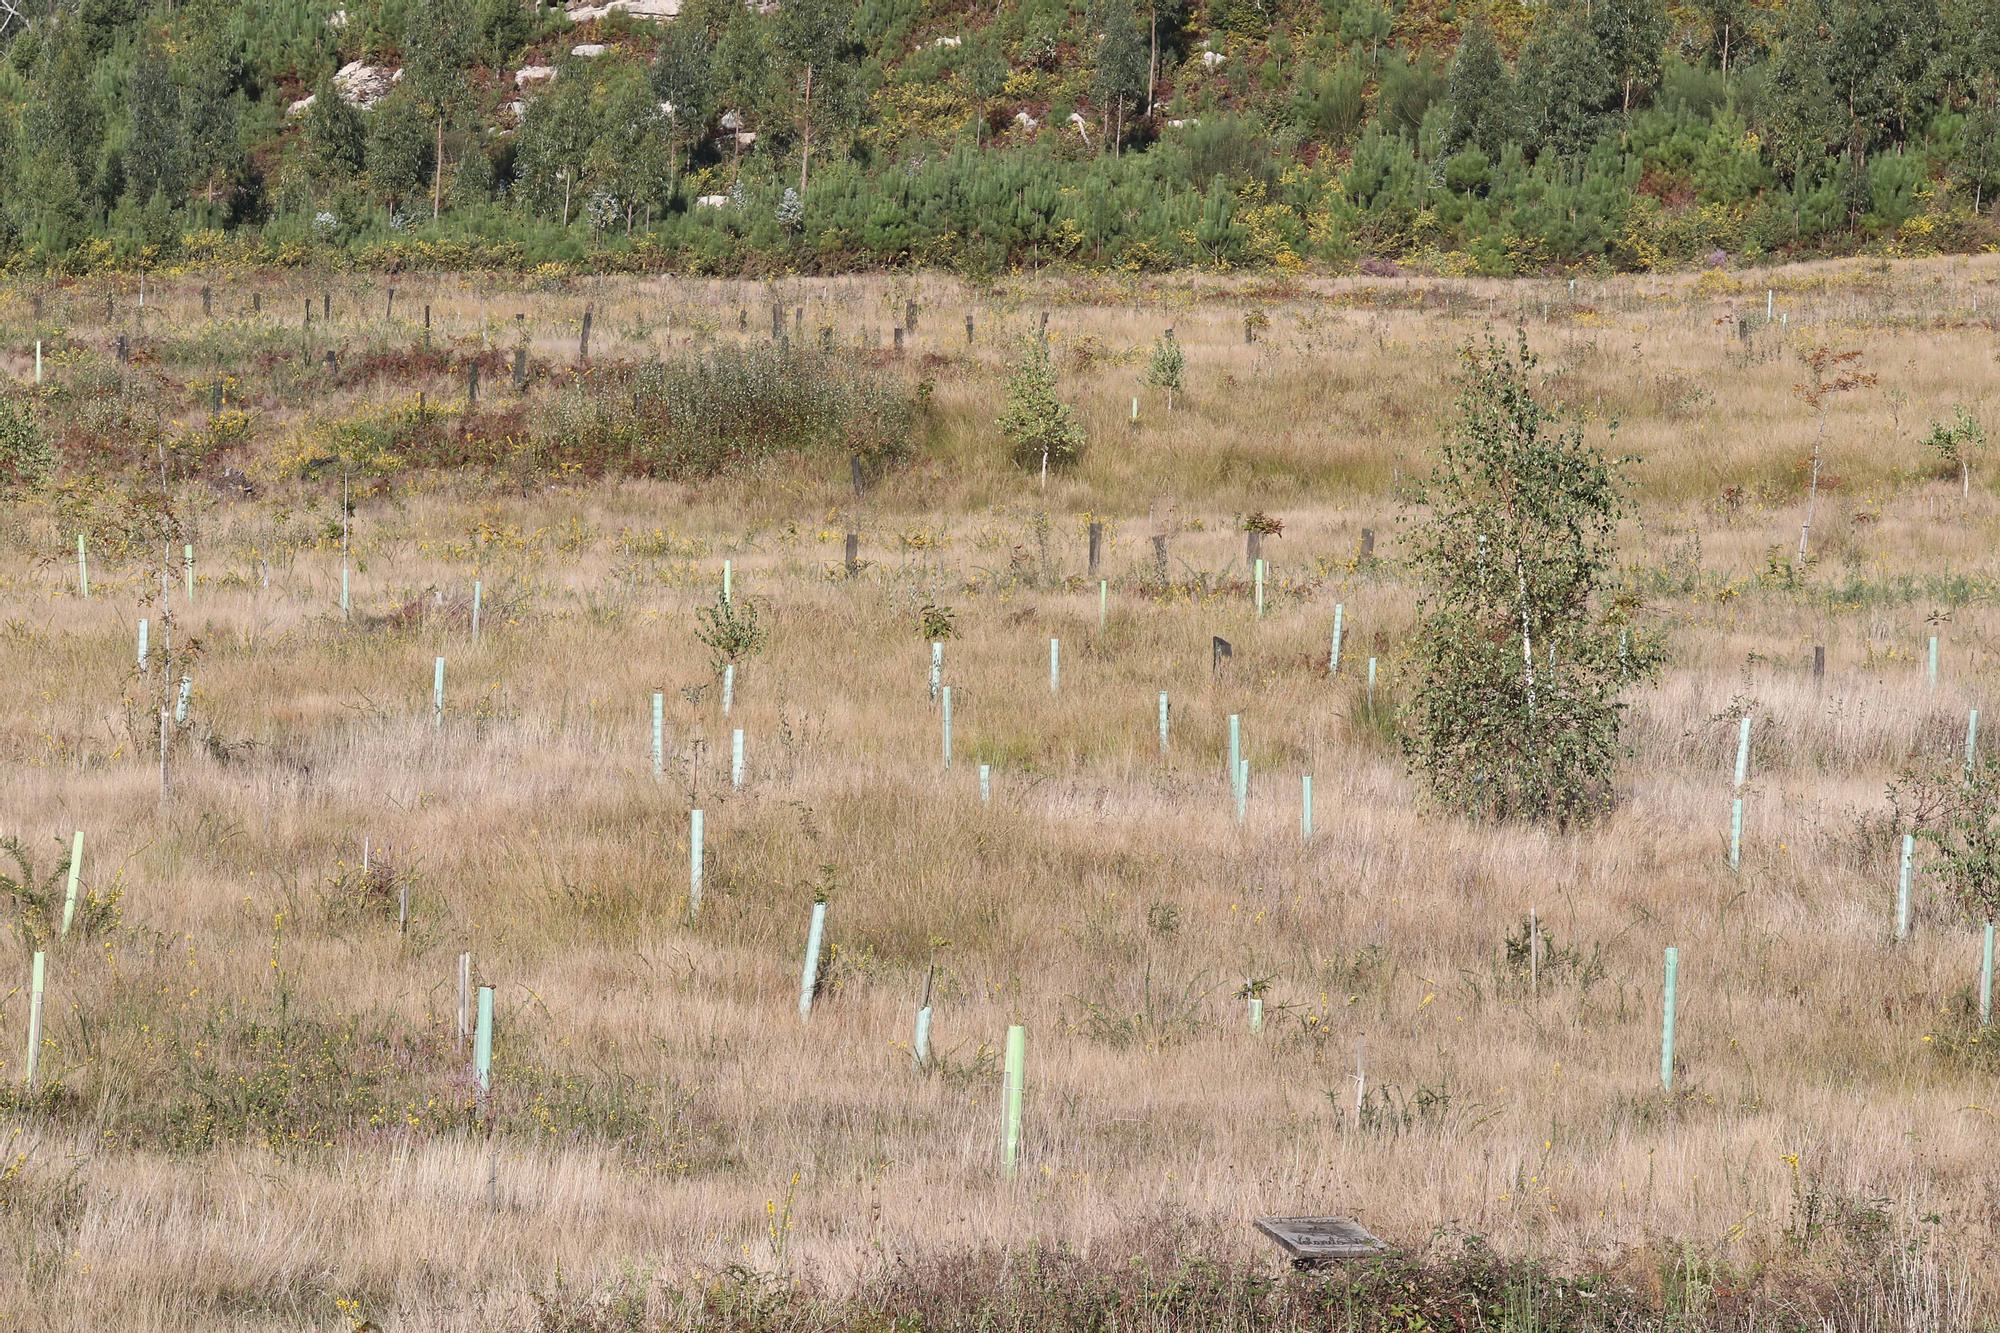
[
  {"x": 1519, "y": 658},
  {"x": 1828, "y": 374}
]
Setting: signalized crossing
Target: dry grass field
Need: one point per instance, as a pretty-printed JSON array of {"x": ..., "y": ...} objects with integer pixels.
[{"x": 253, "y": 1109}]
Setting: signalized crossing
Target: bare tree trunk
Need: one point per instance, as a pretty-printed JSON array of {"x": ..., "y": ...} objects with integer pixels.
[
  {"x": 806, "y": 135},
  {"x": 1153, "y": 61},
  {"x": 166, "y": 618},
  {"x": 437, "y": 171},
  {"x": 1527, "y": 642},
  {"x": 1812, "y": 488}
]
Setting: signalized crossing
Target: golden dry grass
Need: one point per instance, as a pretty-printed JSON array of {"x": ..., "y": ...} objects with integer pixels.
[{"x": 662, "y": 1107}]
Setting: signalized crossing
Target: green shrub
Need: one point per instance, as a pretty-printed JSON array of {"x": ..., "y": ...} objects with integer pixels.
[
  {"x": 727, "y": 408},
  {"x": 27, "y": 459},
  {"x": 731, "y": 630},
  {"x": 1041, "y": 428}
]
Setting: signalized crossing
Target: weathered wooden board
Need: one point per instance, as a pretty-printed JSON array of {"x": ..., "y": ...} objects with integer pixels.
[{"x": 1316, "y": 1240}]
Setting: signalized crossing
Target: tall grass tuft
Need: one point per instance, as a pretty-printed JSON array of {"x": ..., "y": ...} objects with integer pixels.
[{"x": 727, "y": 408}]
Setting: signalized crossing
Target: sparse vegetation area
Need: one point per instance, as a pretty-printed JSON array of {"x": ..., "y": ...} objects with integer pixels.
[{"x": 256, "y": 1107}]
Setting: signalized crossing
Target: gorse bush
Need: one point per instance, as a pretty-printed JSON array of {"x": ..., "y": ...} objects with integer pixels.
[
  {"x": 38, "y": 898},
  {"x": 1954, "y": 809},
  {"x": 727, "y": 408}
]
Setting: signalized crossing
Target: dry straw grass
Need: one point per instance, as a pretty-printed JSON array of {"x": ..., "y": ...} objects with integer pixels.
[{"x": 261, "y": 1120}]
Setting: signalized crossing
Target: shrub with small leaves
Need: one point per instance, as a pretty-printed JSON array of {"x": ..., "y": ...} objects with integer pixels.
[
  {"x": 1168, "y": 367},
  {"x": 936, "y": 622},
  {"x": 1264, "y": 524},
  {"x": 1953, "y": 444},
  {"x": 27, "y": 458},
  {"x": 38, "y": 899},
  {"x": 1519, "y": 659},
  {"x": 731, "y": 630},
  {"x": 791, "y": 210},
  {"x": 1953, "y": 808}
]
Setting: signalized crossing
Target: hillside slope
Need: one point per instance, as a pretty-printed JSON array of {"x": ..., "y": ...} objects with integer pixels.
[{"x": 1485, "y": 136}]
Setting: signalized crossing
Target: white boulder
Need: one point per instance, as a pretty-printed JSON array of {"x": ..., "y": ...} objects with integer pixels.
[
  {"x": 659, "y": 11},
  {"x": 362, "y": 86}
]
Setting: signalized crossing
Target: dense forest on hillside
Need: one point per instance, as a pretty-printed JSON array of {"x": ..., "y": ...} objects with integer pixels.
[{"x": 1457, "y": 136}]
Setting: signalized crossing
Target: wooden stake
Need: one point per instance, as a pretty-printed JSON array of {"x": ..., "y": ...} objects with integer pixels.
[{"x": 464, "y": 998}]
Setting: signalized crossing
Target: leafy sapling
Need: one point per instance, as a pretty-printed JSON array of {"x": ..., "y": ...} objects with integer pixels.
[
  {"x": 1168, "y": 368},
  {"x": 1519, "y": 657}
]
